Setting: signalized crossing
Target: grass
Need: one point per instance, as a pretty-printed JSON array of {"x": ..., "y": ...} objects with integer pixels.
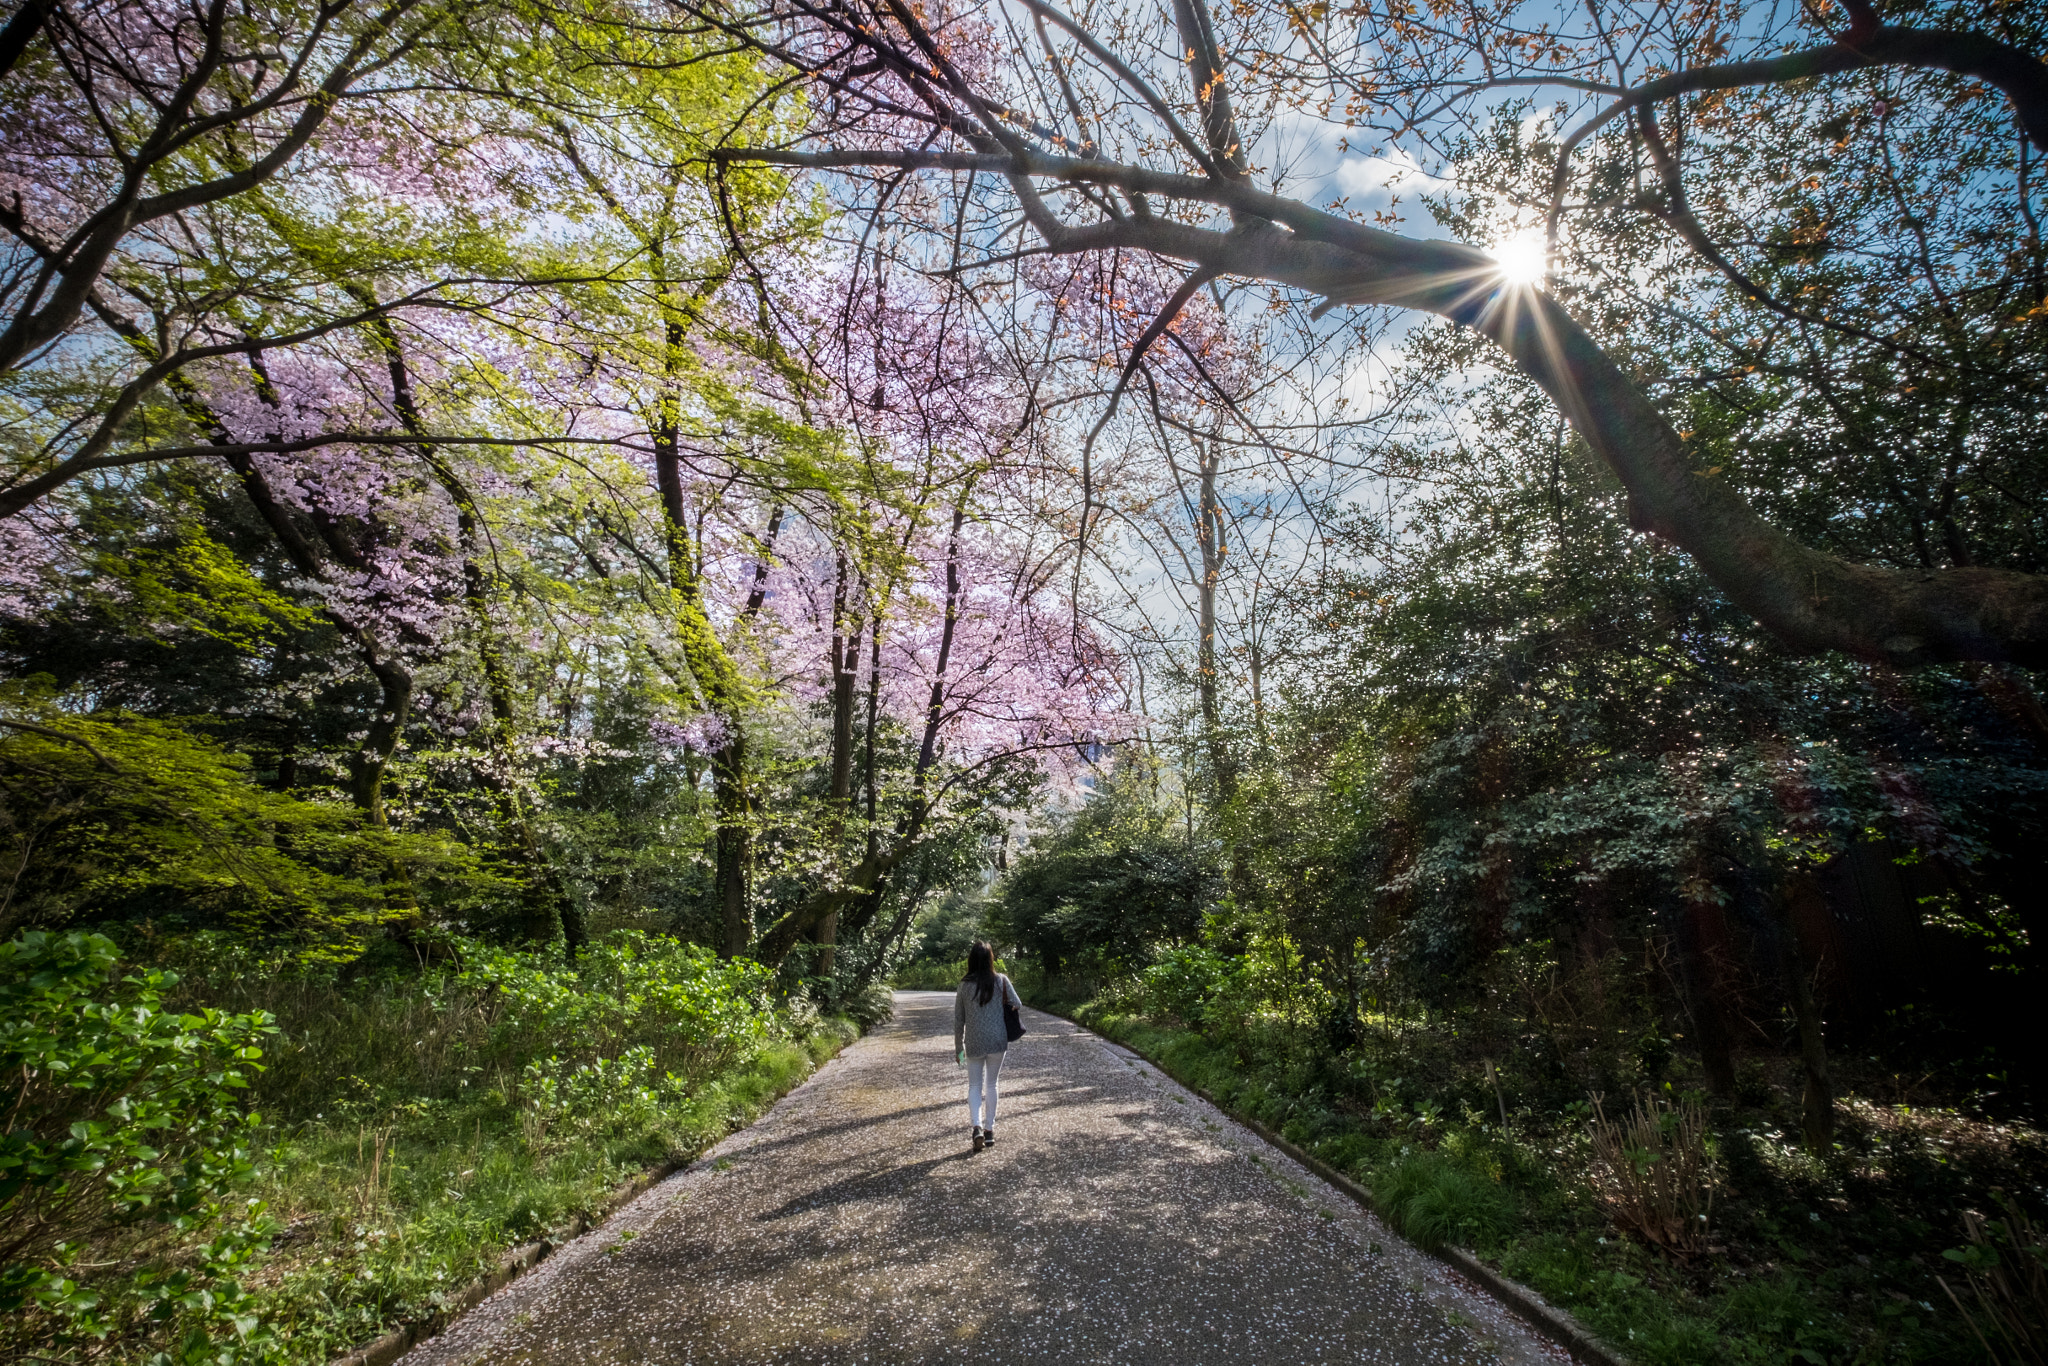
[
  {"x": 382, "y": 1222},
  {"x": 1812, "y": 1261},
  {"x": 1434, "y": 1199}
]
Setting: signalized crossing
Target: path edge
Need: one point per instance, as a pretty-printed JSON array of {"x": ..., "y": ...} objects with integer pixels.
[
  {"x": 1546, "y": 1318},
  {"x": 524, "y": 1258}
]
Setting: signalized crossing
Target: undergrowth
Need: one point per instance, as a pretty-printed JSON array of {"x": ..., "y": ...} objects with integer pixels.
[
  {"x": 929, "y": 975},
  {"x": 1823, "y": 1262},
  {"x": 404, "y": 1129},
  {"x": 382, "y": 1218}
]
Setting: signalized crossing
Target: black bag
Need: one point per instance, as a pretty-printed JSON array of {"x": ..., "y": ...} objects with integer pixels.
[{"x": 1013, "y": 1023}]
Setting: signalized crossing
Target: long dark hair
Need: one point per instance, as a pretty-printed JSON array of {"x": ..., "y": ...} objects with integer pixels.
[{"x": 981, "y": 970}]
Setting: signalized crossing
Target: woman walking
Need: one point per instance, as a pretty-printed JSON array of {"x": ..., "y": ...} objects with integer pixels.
[{"x": 980, "y": 1036}]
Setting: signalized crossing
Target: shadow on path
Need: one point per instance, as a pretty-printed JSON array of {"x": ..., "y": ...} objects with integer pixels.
[
  {"x": 1120, "y": 1220},
  {"x": 893, "y": 1182}
]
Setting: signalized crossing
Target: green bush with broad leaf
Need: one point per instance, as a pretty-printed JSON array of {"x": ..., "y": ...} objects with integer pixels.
[
  {"x": 690, "y": 1010},
  {"x": 1107, "y": 887},
  {"x": 126, "y": 1159},
  {"x": 1186, "y": 980}
]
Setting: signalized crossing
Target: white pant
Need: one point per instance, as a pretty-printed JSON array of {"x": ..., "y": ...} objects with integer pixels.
[{"x": 988, "y": 1065}]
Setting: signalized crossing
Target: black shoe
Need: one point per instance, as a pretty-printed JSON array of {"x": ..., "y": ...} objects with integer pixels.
[
  {"x": 988, "y": 1137},
  {"x": 979, "y": 1140}
]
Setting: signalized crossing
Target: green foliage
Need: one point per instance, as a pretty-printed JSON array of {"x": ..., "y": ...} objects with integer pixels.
[
  {"x": 624, "y": 827},
  {"x": 950, "y": 926},
  {"x": 388, "y": 1212},
  {"x": 121, "y": 817},
  {"x": 1781, "y": 1311},
  {"x": 1264, "y": 988},
  {"x": 1187, "y": 980},
  {"x": 434, "y": 637},
  {"x": 2005, "y": 1267},
  {"x": 196, "y": 584},
  {"x": 126, "y": 1153},
  {"x": 676, "y": 1004},
  {"x": 869, "y": 1007},
  {"x": 928, "y": 975},
  {"x": 1811, "y": 1262},
  {"x": 414, "y": 1124},
  {"x": 1522, "y": 717},
  {"x": 1109, "y": 886}
]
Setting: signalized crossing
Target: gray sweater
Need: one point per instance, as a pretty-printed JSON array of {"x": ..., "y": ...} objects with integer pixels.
[{"x": 978, "y": 1029}]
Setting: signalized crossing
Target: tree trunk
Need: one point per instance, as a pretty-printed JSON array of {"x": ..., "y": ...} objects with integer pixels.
[
  {"x": 1817, "y": 1103},
  {"x": 935, "y": 708},
  {"x": 865, "y": 880},
  {"x": 367, "y": 764},
  {"x": 370, "y": 760},
  {"x": 22, "y": 30},
  {"x": 896, "y": 931},
  {"x": 845, "y": 673},
  {"x": 718, "y": 680},
  {"x": 1209, "y": 540},
  {"x": 395, "y": 685},
  {"x": 1703, "y": 955},
  {"x": 734, "y": 845},
  {"x": 868, "y": 882}
]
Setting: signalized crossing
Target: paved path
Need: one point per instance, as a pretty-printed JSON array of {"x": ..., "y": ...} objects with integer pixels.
[{"x": 1120, "y": 1220}]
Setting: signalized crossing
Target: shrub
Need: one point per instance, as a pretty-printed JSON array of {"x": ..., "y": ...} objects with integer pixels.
[
  {"x": 2006, "y": 1265},
  {"x": 606, "y": 1095},
  {"x": 869, "y": 1007},
  {"x": 128, "y": 819},
  {"x": 929, "y": 975},
  {"x": 125, "y": 1150},
  {"x": 1654, "y": 1173},
  {"x": 1186, "y": 981},
  {"x": 680, "y": 1001},
  {"x": 1346, "y": 1151},
  {"x": 1107, "y": 885},
  {"x": 1782, "y": 1311}
]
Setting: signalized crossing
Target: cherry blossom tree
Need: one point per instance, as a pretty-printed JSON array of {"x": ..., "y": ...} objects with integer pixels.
[{"x": 667, "y": 436}]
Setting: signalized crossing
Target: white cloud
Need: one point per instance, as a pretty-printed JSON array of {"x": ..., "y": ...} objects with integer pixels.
[{"x": 1382, "y": 177}]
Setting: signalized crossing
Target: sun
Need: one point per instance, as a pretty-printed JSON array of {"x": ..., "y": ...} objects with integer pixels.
[{"x": 1522, "y": 260}]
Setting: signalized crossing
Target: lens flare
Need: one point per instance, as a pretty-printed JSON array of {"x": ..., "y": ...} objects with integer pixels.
[{"x": 1522, "y": 260}]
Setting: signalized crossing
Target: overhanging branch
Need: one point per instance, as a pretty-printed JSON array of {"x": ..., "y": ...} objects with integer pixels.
[
  {"x": 1810, "y": 600},
  {"x": 2022, "y": 77},
  {"x": 15, "y": 497}
]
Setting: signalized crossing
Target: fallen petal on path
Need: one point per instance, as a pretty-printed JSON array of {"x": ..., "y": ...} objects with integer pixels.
[{"x": 1120, "y": 1219}]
